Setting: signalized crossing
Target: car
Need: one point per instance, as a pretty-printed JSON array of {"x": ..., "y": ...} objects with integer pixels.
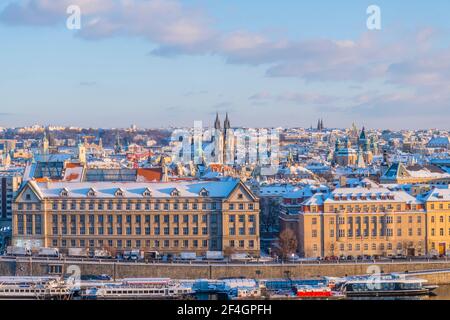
[{"x": 350, "y": 258}]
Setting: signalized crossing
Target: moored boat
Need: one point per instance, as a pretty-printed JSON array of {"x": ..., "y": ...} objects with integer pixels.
[
  {"x": 30, "y": 288},
  {"x": 385, "y": 286},
  {"x": 139, "y": 289}
]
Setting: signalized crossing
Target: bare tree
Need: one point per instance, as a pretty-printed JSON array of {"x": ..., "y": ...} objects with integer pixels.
[{"x": 287, "y": 242}]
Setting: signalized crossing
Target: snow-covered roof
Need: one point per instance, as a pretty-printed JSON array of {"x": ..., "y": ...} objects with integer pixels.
[
  {"x": 438, "y": 195},
  {"x": 216, "y": 189},
  {"x": 352, "y": 195}
]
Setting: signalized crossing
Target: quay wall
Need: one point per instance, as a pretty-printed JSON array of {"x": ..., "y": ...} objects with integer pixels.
[{"x": 27, "y": 267}]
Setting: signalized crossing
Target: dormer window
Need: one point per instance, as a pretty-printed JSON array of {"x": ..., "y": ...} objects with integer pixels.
[
  {"x": 204, "y": 192},
  {"x": 175, "y": 192},
  {"x": 240, "y": 196},
  {"x": 119, "y": 193},
  {"x": 91, "y": 192},
  {"x": 147, "y": 193},
  {"x": 64, "y": 192}
]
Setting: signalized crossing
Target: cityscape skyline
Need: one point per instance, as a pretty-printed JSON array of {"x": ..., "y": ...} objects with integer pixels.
[{"x": 313, "y": 60}]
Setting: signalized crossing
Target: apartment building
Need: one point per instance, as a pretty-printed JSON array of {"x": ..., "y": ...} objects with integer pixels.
[
  {"x": 437, "y": 204},
  {"x": 170, "y": 217},
  {"x": 360, "y": 221}
]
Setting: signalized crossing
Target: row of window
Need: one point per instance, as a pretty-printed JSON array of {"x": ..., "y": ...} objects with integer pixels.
[
  {"x": 120, "y": 218},
  {"x": 241, "y": 218},
  {"x": 373, "y": 232},
  {"x": 440, "y": 206},
  {"x": 64, "y": 205},
  {"x": 241, "y": 244},
  {"x": 441, "y": 232},
  {"x": 129, "y": 231},
  {"x": 373, "y": 246},
  {"x": 232, "y": 231},
  {"x": 120, "y": 244},
  {"x": 373, "y": 220}
]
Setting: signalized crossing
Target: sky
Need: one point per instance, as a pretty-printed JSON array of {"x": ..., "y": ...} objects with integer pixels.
[{"x": 162, "y": 63}]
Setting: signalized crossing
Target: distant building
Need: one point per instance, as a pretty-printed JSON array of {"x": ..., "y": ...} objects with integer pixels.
[
  {"x": 344, "y": 154},
  {"x": 439, "y": 143},
  {"x": 403, "y": 174},
  {"x": 9, "y": 185}
]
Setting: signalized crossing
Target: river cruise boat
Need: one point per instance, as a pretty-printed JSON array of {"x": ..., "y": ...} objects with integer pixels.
[
  {"x": 384, "y": 286},
  {"x": 31, "y": 288},
  {"x": 129, "y": 289}
]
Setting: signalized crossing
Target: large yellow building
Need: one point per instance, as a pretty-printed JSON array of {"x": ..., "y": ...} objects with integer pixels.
[
  {"x": 171, "y": 217},
  {"x": 437, "y": 204},
  {"x": 360, "y": 221}
]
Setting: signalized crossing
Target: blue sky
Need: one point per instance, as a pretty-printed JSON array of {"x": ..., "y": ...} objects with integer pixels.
[{"x": 268, "y": 63}]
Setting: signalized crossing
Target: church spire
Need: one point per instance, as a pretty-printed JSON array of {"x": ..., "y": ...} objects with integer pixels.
[
  {"x": 217, "y": 122},
  {"x": 226, "y": 124}
]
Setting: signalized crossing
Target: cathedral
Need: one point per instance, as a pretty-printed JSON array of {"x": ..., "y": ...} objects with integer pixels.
[{"x": 345, "y": 155}]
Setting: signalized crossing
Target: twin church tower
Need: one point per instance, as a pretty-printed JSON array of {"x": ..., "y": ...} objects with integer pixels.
[{"x": 224, "y": 142}]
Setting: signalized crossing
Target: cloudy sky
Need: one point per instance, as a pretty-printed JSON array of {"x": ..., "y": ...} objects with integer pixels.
[{"x": 267, "y": 63}]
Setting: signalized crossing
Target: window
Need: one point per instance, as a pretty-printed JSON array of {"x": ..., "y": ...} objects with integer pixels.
[{"x": 231, "y": 218}]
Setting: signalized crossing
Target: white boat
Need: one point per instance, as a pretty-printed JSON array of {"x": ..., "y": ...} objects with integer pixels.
[
  {"x": 139, "y": 289},
  {"x": 41, "y": 288}
]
